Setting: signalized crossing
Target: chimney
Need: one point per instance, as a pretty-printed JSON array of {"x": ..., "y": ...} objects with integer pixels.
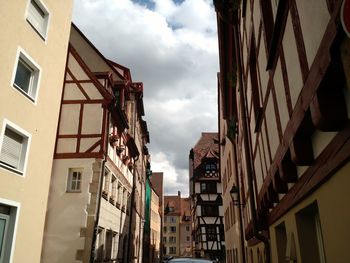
[{"x": 179, "y": 193}]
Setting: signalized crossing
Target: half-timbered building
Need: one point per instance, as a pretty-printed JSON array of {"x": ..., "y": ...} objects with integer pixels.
[
  {"x": 95, "y": 199},
  {"x": 284, "y": 104},
  {"x": 206, "y": 199}
]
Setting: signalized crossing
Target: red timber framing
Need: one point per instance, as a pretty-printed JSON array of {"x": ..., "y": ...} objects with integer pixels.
[
  {"x": 83, "y": 88},
  {"x": 317, "y": 108},
  {"x": 81, "y": 100},
  {"x": 292, "y": 150}
]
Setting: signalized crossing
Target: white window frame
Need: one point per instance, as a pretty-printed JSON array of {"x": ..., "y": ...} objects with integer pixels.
[
  {"x": 33, "y": 90},
  {"x": 24, "y": 156},
  {"x": 47, "y": 18},
  {"x": 13, "y": 220},
  {"x": 70, "y": 178}
]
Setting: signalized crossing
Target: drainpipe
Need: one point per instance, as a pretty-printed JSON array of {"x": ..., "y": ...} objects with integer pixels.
[
  {"x": 247, "y": 148},
  {"x": 94, "y": 236}
]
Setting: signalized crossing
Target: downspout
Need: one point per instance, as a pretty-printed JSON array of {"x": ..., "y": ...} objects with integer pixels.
[
  {"x": 247, "y": 149},
  {"x": 94, "y": 236}
]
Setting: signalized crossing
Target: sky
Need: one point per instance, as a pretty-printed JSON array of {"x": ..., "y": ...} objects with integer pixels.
[{"x": 171, "y": 46}]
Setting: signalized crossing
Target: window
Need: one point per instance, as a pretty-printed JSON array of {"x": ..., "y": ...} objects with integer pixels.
[
  {"x": 210, "y": 210},
  {"x": 100, "y": 243},
  {"x": 173, "y": 229},
  {"x": 172, "y": 239},
  {"x": 164, "y": 239},
  {"x": 208, "y": 187},
  {"x": 172, "y": 250},
  {"x": 172, "y": 219},
  {"x": 26, "y": 78},
  {"x": 109, "y": 244},
  {"x": 257, "y": 109},
  {"x": 14, "y": 149},
  {"x": 187, "y": 228},
  {"x": 114, "y": 188},
  {"x": 211, "y": 233},
  {"x": 310, "y": 234},
  {"x": 164, "y": 229},
  {"x": 188, "y": 238},
  {"x": 281, "y": 241},
  {"x": 120, "y": 194},
  {"x": 8, "y": 215},
  {"x": 171, "y": 209},
  {"x": 210, "y": 167},
  {"x": 74, "y": 180},
  {"x": 38, "y": 17}
]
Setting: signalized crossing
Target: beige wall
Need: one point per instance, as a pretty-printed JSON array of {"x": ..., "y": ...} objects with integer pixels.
[
  {"x": 168, "y": 234},
  {"x": 66, "y": 212},
  {"x": 334, "y": 217},
  {"x": 39, "y": 119},
  {"x": 155, "y": 225},
  {"x": 185, "y": 246}
]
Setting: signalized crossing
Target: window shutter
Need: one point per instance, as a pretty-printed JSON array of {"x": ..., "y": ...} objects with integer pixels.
[
  {"x": 11, "y": 149},
  {"x": 36, "y": 16}
]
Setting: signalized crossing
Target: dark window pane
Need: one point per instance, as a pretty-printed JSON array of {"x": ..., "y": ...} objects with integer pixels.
[{"x": 23, "y": 75}]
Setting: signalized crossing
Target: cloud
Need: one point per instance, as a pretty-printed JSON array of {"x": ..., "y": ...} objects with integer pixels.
[{"x": 171, "y": 46}]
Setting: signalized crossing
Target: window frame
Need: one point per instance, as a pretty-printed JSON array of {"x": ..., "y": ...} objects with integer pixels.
[
  {"x": 13, "y": 221},
  {"x": 24, "y": 155},
  {"x": 34, "y": 86},
  {"x": 47, "y": 18},
  {"x": 70, "y": 180}
]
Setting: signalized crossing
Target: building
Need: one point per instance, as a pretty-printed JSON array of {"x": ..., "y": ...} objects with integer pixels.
[
  {"x": 206, "y": 198},
  {"x": 155, "y": 228},
  {"x": 94, "y": 213},
  {"x": 186, "y": 228},
  {"x": 156, "y": 180},
  {"x": 284, "y": 122},
  {"x": 34, "y": 42},
  {"x": 171, "y": 226}
]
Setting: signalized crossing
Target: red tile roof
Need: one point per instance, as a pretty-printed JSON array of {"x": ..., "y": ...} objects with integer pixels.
[{"x": 206, "y": 147}]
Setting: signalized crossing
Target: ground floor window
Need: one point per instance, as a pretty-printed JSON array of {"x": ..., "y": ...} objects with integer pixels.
[
  {"x": 8, "y": 216},
  {"x": 310, "y": 234}
]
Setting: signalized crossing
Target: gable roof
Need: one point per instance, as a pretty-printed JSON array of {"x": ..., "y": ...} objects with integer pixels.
[{"x": 206, "y": 147}]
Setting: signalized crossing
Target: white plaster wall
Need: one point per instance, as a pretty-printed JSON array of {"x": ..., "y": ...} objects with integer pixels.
[
  {"x": 314, "y": 18},
  {"x": 272, "y": 126},
  {"x": 292, "y": 61},
  {"x": 66, "y": 212},
  {"x": 92, "y": 119},
  {"x": 281, "y": 96}
]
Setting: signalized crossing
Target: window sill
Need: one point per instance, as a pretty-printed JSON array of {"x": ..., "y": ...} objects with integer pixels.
[
  {"x": 73, "y": 191},
  {"x": 11, "y": 169},
  {"x": 24, "y": 93}
]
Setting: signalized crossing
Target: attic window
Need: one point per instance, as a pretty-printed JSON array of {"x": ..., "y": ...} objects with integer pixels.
[
  {"x": 210, "y": 167},
  {"x": 171, "y": 209}
]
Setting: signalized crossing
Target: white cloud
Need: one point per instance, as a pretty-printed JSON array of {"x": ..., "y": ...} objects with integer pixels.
[{"x": 173, "y": 51}]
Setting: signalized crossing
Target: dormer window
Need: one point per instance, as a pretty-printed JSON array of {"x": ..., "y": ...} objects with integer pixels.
[{"x": 210, "y": 167}]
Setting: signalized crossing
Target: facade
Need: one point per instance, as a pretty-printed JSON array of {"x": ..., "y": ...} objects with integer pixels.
[
  {"x": 34, "y": 42},
  {"x": 96, "y": 195},
  {"x": 186, "y": 228},
  {"x": 284, "y": 130},
  {"x": 171, "y": 226},
  {"x": 206, "y": 198},
  {"x": 156, "y": 180},
  {"x": 155, "y": 229}
]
